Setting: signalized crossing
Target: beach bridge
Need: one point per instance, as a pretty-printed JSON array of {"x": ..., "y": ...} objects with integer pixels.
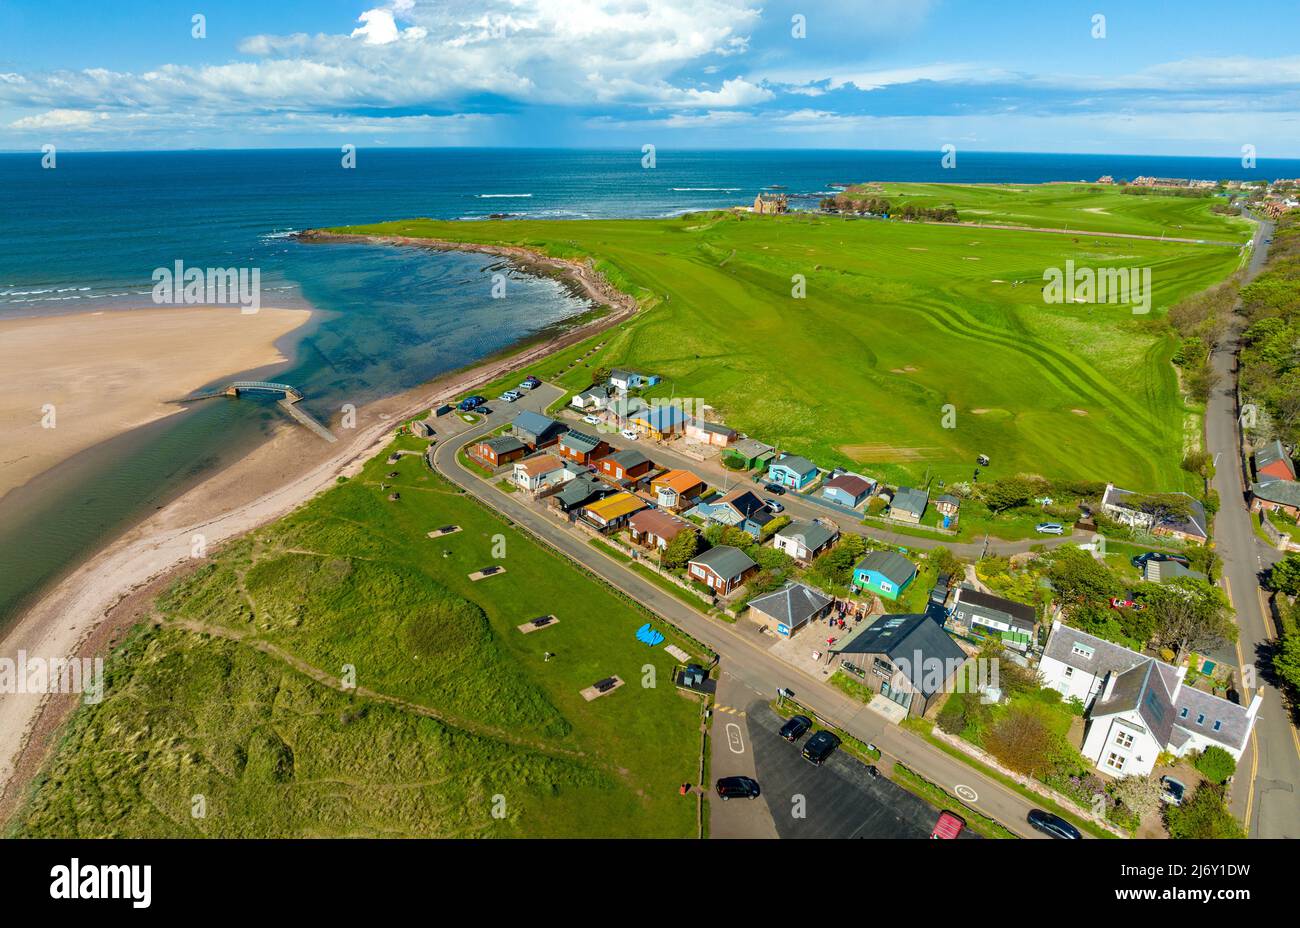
[{"x": 289, "y": 402}]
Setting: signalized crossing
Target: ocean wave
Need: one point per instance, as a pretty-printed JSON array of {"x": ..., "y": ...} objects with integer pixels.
[
  {"x": 705, "y": 189},
  {"x": 501, "y": 196}
]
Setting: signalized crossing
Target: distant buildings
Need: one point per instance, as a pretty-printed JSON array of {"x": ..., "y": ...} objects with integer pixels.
[{"x": 771, "y": 203}]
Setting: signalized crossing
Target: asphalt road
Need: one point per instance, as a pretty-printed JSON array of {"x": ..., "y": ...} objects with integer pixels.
[
  {"x": 1271, "y": 766},
  {"x": 743, "y": 655}
]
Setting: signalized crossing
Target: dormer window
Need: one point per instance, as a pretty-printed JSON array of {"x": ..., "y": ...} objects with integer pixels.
[{"x": 1082, "y": 650}]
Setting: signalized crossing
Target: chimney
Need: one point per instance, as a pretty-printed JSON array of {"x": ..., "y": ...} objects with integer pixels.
[{"x": 1110, "y": 686}]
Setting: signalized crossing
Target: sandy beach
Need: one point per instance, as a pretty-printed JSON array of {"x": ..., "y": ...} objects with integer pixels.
[
  {"x": 288, "y": 470},
  {"x": 95, "y": 375}
]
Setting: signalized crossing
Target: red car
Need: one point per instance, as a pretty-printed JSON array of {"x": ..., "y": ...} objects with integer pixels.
[{"x": 948, "y": 826}]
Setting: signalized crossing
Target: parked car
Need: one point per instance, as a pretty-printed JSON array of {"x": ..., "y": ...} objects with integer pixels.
[
  {"x": 737, "y": 788},
  {"x": 819, "y": 747},
  {"x": 775, "y": 489},
  {"x": 948, "y": 826},
  {"x": 591, "y": 420},
  {"x": 1050, "y": 528},
  {"x": 1172, "y": 791},
  {"x": 630, "y": 434},
  {"x": 794, "y": 729},
  {"x": 529, "y": 383},
  {"x": 1052, "y": 825},
  {"x": 1140, "y": 560},
  {"x": 470, "y": 402},
  {"x": 775, "y": 506},
  {"x": 509, "y": 396}
]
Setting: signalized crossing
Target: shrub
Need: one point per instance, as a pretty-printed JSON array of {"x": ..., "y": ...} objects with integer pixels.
[
  {"x": 1216, "y": 763},
  {"x": 1203, "y": 816}
]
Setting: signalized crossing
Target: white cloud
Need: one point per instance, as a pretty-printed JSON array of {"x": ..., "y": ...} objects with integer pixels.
[{"x": 59, "y": 119}]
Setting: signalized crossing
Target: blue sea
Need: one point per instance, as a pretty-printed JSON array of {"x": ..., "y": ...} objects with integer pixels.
[{"x": 89, "y": 233}]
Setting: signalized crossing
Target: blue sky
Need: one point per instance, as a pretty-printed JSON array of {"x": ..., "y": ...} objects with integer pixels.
[{"x": 1186, "y": 78}]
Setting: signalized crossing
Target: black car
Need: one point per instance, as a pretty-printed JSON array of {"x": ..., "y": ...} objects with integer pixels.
[
  {"x": 819, "y": 747},
  {"x": 1053, "y": 825},
  {"x": 775, "y": 489},
  {"x": 794, "y": 729},
  {"x": 1139, "y": 560},
  {"x": 737, "y": 788}
]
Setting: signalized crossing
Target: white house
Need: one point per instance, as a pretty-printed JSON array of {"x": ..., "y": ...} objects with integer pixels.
[
  {"x": 805, "y": 540},
  {"x": 591, "y": 398},
  {"x": 622, "y": 380},
  {"x": 540, "y": 472},
  {"x": 1138, "y": 706},
  {"x": 1117, "y": 504}
]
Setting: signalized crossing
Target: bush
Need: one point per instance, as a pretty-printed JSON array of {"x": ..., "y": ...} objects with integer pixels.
[
  {"x": 1216, "y": 763},
  {"x": 1204, "y": 816}
]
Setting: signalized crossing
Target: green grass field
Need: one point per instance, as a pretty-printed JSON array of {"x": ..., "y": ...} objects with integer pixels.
[
  {"x": 899, "y": 321},
  {"x": 1087, "y": 207},
  {"x": 231, "y": 699}
]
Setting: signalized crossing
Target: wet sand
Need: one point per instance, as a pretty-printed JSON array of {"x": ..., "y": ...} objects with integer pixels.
[{"x": 69, "y": 382}]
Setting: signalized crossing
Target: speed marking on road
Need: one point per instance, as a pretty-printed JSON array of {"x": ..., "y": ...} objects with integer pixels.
[
  {"x": 734, "y": 740},
  {"x": 965, "y": 793}
]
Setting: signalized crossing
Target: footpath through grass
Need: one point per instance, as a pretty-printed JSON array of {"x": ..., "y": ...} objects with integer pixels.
[{"x": 479, "y": 734}]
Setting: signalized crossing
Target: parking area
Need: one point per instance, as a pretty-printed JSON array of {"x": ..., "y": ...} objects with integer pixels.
[{"x": 837, "y": 800}]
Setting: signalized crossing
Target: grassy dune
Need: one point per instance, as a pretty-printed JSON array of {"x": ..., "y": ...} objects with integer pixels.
[
  {"x": 237, "y": 697},
  {"x": 1087, "y": 207},
  {"x": 899, "y": 321}
]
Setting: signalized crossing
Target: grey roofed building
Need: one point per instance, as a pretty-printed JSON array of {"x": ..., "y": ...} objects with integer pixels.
[
  {"x": 814, "y": 534},
  {"x": 902, "y": 638},
  {"x": 1285, "y": 492},
  {"x": 949, "y": 500},
  {"x": 910, "y": 500},
  {"x": 1104, "y": 657},
  {"x": 796, "y": 463},
  {"x": 1156, "y": 692},
  {"x": 895, "y": 568},
  {"x": 534, "y": 428},
  {"x": 581, "y": 490},
  {"x": 629, "y": 458},
  {"x": 725, "y": 561},
  {"x": 750, "y": 448},
  {"x": 986, "y": 605},
  {"x": 580, "y": 441},
  {"x": 1164, "y": 571},
  {"x": 717, "y": 428},
  {"x": 504, "y": 444},
  {"x": 1195, "y": 524},
  {"x": 792, "y": 605}
]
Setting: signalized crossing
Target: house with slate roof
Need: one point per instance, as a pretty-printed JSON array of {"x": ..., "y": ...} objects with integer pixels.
[
  {"x": 908, "y": 505},
  {"x": 721, "y": 568},
  {"x": 1137, "y": 706},
  {"x": 710, "y": 433},
  {"x": 790, "y": 470},
  {"x": 992, "y": 616},
  {"x": 886, "y": 573},
  {"x": 750, "y": 452},
  {"x": 803, "y": 541},
  {"x": 501, "y": 450},
  {"x": 907, "y": 658},
  {"x": 535, "y": 430},
  {"x": 1273, "y": 463},
  {"x": 790, "y": 608},
  {"x": 1118, "y": 504},
  {"x": 741, "y": 507},
  {"x": 1275, "y": 488},
  {"x": 625, "y": 465},
  {"x": 654, "y": 527},
  {"x": 579, "y": 491}
]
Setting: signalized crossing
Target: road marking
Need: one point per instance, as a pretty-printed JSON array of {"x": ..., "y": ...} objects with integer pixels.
[
  {"x": 965, "y": 793},
  {"x": 734, "y": 739}
]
